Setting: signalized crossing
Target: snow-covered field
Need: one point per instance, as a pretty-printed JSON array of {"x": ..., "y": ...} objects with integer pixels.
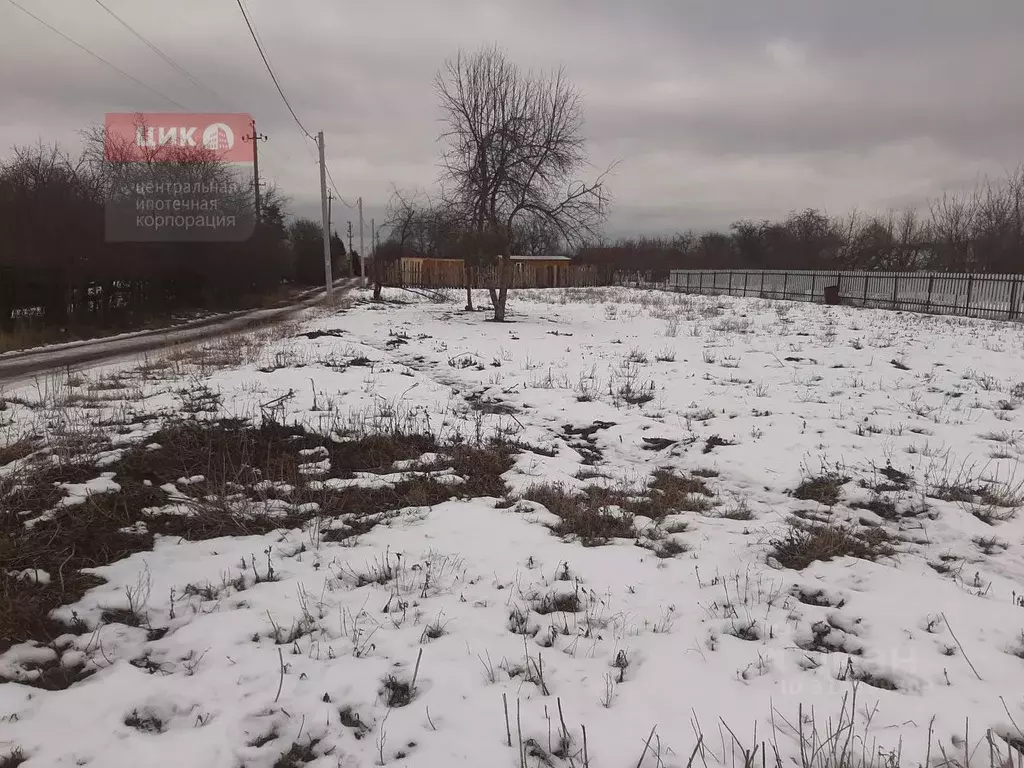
[{"x": 684, "y": 611}]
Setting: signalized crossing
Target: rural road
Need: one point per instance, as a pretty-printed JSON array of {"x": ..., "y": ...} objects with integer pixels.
[{"x": 19, "y": 367}]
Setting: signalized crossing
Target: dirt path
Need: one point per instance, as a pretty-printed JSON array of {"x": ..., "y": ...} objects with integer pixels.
[{"x": 20, "y": 367}]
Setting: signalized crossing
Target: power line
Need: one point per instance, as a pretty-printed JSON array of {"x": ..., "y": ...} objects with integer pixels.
[
  {"x": 266, "y": 62},
  {"x": 322, "y": 161},
  {"x": 273, "y": 77},
  {"x": 335, "y": 188},
  {"x": 179, "y": 68},
  {"x": 259, "y": 44},
  {"x": 152, "y": 46},
  {"x": 259, "y": 39},
  {"x": 97, "y": 56}
]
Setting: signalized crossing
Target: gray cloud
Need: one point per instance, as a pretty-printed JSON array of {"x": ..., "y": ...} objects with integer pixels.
[{"x": 716, "y": 111}]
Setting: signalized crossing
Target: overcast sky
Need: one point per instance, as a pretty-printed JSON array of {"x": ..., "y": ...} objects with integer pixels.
[{"x": 715, "y": 110}]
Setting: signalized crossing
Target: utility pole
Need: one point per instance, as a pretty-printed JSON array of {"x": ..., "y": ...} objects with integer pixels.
[
  {"x": 362, "y": 257},
  {"x": 256, "y": 138},
  {"x": 325, "y": 213},
  {"x": 330, "y": 225},
  {"x": 350, "y": 237}
]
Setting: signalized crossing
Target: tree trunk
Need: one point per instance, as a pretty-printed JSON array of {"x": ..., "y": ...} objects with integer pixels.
[
  {"x": 499, "y": 305},
  {"x": 377, "y": 271},
  {"x": 467, "y": 274}
]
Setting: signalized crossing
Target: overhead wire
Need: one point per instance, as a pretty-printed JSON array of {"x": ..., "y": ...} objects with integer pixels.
[
  {"x": 96, "y": 56},
  {"x": 280, "y": 90},
  {"x": 153, "y": 47},
  {"x": 181, "y": 70},
  {"x": 270, "y": 70},
  {"x": 335, "y": 188}
]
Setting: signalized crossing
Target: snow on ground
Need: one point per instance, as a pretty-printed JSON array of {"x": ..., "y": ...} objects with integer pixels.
[{"x": 408, "y": 644}]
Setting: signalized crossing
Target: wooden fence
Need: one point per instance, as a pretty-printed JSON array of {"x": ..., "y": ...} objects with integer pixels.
[
  {"x": 999, "y": 297},
  {"x": 449, "y": 274}
]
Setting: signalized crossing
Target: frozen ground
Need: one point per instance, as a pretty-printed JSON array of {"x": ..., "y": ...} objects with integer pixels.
[{"x": 732, "y": 532}]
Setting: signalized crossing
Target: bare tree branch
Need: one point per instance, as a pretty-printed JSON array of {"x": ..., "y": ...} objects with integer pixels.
[{"x": 513, "y": 148}]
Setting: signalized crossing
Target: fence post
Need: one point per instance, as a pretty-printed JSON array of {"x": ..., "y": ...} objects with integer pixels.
[
  {"x": 814, "y": 285},
  {"x": 1012, "y": 312},
  {"x": 970, "y": 285},
  {"x": 762, "y": 283},
  {"x": 745, "y": 276},
  {"x": 928, "y": 303},
  {"x": 895, "y": 289},
  {"x": 700, "y": 288},
  {"x": 866, "y": 278},
  {"x": 785, "y": 284}
]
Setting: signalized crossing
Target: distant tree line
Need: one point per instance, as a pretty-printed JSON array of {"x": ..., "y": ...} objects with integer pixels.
[
  {"x": 981, "y": 230},
  {"x": 59, "y": 270}
]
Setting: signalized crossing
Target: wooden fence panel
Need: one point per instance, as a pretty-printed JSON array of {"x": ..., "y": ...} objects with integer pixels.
[{"x": 449, "y": 275}]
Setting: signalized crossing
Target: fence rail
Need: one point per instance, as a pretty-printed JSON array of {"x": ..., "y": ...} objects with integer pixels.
[{"x": 998, "y": 297}]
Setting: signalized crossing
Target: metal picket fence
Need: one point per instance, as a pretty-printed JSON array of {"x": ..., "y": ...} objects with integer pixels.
[{"x": 998, "y": 297}]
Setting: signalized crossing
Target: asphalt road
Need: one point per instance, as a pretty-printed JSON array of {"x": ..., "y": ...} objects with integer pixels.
[{"x": 21, "y": 367}]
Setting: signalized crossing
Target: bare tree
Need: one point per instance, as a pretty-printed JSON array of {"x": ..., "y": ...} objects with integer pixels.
[
  {"x": 405, "y": 214},
  {"x": 911, "y": 240},
  {"x": 953, "y": 219},
  {"x": 997, "y": 235},
  {"x": 534, "y": 236},
  {"x": 514, "y": 146},
  {"x": 441, "y": 227}
]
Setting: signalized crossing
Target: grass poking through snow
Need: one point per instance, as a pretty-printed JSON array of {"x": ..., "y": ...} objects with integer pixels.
[{"x": 805, "y": 543}]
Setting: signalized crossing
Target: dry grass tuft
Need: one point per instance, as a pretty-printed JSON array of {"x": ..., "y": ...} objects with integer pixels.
[
  {"x": 825, "y": 489},
  {"x": 242, "y": 480},
  {"x": 597, "y": 514},
  {"x": 806, "y": 543},
  {"x": 18, "y": 450},
  {"x": 594, "y": 516},
  {"x": 13, "y": 759},
  {"x": 298, "y": 754}
]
